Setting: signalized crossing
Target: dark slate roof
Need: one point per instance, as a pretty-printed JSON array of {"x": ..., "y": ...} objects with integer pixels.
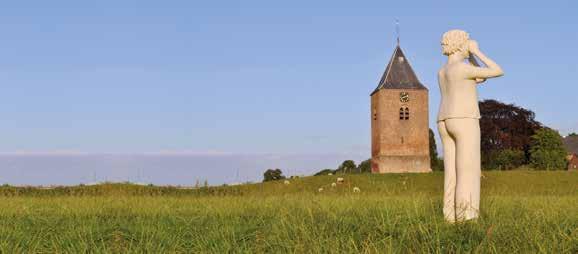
[
  {"x": 398, "y": 74},
  {"x": 571, "y": 144}
]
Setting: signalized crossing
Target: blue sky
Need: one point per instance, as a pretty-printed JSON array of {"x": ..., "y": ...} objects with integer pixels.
[{"x": 251, "y": 78}]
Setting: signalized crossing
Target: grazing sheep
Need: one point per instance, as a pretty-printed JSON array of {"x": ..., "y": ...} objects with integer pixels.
[
  {"x": 330, "y": 174},
  {"x": 340, "y": 179},
  {"x": 286, "y": 182},
  {"x": 356, "y": 190},
  {"x": 320, "y": 189},
  {"x": 333, "y": 184}
]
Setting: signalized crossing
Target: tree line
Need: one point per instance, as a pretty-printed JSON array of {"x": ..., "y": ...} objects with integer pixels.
[{"x": 511, "y": 137}]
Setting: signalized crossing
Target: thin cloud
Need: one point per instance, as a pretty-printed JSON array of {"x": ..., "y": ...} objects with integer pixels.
[{"x": 84, "y": 153}]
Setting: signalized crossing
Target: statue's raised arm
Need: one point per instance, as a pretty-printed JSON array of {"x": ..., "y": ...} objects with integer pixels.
[{"x": 491, "y": 71}]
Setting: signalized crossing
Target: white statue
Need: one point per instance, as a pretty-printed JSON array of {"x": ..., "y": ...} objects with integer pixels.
[{"x": 458, "y": 123}]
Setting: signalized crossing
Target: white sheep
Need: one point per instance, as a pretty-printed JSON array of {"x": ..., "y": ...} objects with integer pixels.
[
  {"x": 356, "y": 190},
  {"x": 333, "y": 184},
  {"x": 340, "y": 179},
  {"x": 320, "y": 189},
  {"x": 330, "y": 174},
  {"x": 286, "y": 182}
]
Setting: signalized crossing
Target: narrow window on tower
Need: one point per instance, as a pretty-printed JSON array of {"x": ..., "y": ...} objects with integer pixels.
[
  {"x": 401, "y": 114},
  {"x": 374, "y": 114},
  {"x": 406, "y": 115}
]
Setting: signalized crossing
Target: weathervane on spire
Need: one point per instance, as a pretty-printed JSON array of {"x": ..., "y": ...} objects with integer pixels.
[{"x": 397, "y": 30}]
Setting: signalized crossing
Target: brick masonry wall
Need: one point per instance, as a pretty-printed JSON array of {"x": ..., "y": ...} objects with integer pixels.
[{"x": 399, "y": 145}]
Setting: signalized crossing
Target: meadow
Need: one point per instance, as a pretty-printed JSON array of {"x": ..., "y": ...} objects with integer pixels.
[{"x": 521, "y": 212}]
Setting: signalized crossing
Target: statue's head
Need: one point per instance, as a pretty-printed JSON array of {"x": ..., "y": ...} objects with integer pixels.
[{"x": 455, "y": 42}]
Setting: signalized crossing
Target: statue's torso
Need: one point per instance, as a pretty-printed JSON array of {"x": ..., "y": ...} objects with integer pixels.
[{"x": 459, "y": 98}]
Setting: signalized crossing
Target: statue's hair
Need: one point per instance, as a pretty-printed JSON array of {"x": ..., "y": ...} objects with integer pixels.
[{"x": 454, "y": 41}]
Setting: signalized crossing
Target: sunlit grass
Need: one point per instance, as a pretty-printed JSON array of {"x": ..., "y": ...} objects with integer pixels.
[{"x": 522, "y": 212}]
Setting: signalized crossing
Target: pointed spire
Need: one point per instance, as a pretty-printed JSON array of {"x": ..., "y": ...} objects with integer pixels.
[{"x": 398, "y": 74}]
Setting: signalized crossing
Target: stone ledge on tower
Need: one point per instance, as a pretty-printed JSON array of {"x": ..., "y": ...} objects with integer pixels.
[{"x": 401, "y": 164}]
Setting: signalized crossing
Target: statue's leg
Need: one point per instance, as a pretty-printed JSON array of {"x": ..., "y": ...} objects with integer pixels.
[
  {"x": 449, "y": 148},
  {"x": 467, "y": 134}
]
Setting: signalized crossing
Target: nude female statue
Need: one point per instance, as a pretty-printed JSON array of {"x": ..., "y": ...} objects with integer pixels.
[{"x": 458, "y": 124}]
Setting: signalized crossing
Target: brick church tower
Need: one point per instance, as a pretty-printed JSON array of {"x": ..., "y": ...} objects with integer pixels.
[{"x": 399, "y": 120}]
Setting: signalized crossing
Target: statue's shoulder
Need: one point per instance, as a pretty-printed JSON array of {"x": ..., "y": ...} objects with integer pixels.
[
  {"x": 458, "y": 65},
  {"x": 456, "y": 68}
]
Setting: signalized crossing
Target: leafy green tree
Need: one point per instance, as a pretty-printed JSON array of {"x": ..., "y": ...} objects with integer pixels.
[
  {"x": 433, "y": 151},
  {"x": 547, "y": 150},
  {"x": 573, "y": 134},
  {"x": 347, "y": 167},
  {"x": 273, "y": 175},
  {"x": 504, "y": 159},
  {"x": 435, "y": 162},
  {"x": 364, "y": 166}
]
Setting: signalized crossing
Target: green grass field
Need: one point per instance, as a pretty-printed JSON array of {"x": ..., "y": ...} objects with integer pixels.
[{"x": 521, "y": 212}]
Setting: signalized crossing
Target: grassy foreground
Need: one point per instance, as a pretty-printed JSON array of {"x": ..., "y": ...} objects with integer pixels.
[{"x": 521, "y": 212}]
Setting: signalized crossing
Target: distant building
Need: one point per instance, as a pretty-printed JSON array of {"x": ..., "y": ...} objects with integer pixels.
[
  {"x": 573, "y": 162},
  {"x": 399, "y": 120},
  {"x": 571, "y": 144}
]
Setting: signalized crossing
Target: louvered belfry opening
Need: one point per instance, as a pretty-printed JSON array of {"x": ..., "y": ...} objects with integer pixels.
[{"x": 406, "y": 113}]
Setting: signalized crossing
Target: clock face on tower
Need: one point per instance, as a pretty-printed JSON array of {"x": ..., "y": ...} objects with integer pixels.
[{"x": 404, "y": 97}]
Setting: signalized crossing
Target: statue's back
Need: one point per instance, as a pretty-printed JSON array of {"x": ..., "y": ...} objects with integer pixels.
[{"x": 459, "y": 97}]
